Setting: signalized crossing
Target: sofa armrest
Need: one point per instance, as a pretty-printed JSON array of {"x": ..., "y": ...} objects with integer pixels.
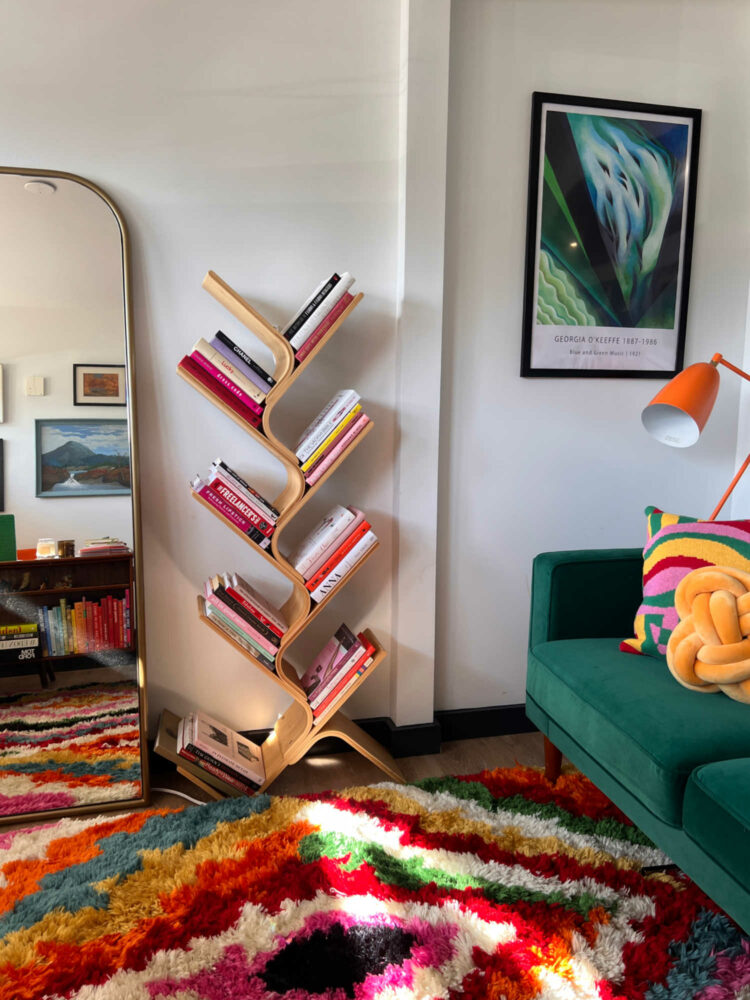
[{"x": 585, "y": 593}]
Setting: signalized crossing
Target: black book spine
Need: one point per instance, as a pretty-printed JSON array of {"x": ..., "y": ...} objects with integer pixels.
[
  {"x": 247, "y": 359},
  {"x": 312, "y": 306},
  {"x": 256, "y": 536},
  {"x": 233, "y": 475},
  {"x": 202, "y": 755},
  {"x": 244, "y": 613}
]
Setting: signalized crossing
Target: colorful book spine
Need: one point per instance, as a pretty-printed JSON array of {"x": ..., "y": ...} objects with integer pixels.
[
  {"x": 239, "y": 635},
  {"x": 242, "y": 623},
  {"x": 234, "y": 359},
  {"x": 229, "y": 512},
  {"x": 342, "y": 568},
  {"x": 206, "y": 758},
  {"x": 209, "y": 766},
  {"x": 242, "y": 505},
  {"x": 332, "y": 414},
  {"x": 227, "y": 382},
  {"x": 217, "y": 586},
  {"x": 255, "y": 603},
  {"x": 346, "y": 665},
  {"x": 229, "y": 399},
  {"x": 335, "y": 542},
  {"x": 318, "y": 296},
  {"x": 331, "y": 527},
  {"x": 253, "y": 365},
  {"x": 349, "y": 542},
  {"x": 230, "y": 369},
  {"x": 339, "y": 693},
  {"x": 338, "y": 449},
  {"x": 218, "y": 465},
  {"x": 332, "y": 438},
  {"x": 319, "y": 314},
  {"x": 314, "y": 339}
]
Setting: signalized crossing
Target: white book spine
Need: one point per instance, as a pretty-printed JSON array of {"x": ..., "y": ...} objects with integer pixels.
[
  {"x": 310, "y": 548},
  {"x": 231, "y": 371},
  {"x": 327, "y": 419},
  {"x": 323, "y": 557},
  {"x": 316, "y": 318},
  {"x": 342, "y": 568}
]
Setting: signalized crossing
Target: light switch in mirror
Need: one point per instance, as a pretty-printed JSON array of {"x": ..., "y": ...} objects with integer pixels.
[{"x": 72, "y": 708}]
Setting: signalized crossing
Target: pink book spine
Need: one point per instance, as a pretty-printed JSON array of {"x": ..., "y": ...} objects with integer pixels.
[
  {"x": 241, "y": 622},
  {"x": 224, "y": 380},
  {"x": 320, "y": 331},
  {"x": 337, "y": 449},
  {"x": 224, "y": 508},
  {"x": 335, "y": 544}
]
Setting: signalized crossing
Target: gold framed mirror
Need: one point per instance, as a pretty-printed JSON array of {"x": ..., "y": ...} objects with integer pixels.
[{"x": 72, "y": 643}]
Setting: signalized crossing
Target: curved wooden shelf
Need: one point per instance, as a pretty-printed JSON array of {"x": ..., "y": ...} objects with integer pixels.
[{"x": 295, "y": 731}]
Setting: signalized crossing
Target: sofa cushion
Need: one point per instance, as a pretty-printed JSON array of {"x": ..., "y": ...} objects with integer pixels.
[
  {"x": 716, "y": 814},
  {"x": 637, "y": 722}
]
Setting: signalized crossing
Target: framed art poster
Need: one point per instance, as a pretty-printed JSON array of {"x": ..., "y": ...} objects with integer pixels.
[
  {"x": 82, "y": 458},
  {"x": 99, "y": 385},
  {"x": 609, "y": 237}
]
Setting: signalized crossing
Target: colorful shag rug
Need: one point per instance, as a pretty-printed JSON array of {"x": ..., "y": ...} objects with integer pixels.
[
  {"x": 70, "y": 747},
  {"x": 494, "y": 885}
]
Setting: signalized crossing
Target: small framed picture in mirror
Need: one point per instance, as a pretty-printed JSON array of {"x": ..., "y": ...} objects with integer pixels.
[{"x": 99, "y": 385}]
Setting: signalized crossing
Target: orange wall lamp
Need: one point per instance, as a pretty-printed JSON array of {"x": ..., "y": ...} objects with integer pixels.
[{"x": 678, "y": 413}]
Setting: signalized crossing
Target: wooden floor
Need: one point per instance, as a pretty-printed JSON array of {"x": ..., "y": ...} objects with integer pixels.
[{"x": 316, "y": 774}]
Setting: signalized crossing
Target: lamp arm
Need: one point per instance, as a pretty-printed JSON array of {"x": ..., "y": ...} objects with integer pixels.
[{"x": 719, "y": 359}]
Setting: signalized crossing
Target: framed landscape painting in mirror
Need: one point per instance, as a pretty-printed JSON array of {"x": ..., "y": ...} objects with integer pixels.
[{"x": 72, "y": 670}]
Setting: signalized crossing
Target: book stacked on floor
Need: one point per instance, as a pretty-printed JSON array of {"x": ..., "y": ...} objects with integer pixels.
[
  {"x": 221, "y": 752},
  {"x": 310, "y": 324},
  {"x": 19, "y": 642},
  {"x": 332, "y": 548},
  {"x": 330, "y": 434},
  {"x": 106, "y": 546},
  {"x": 230, "y": 495},
  {"x": 245, "y": 615},
  {"x": 82, "y": 627},
  {"x": 223, "y": 367},
  {"x": 336, "y": 668}
]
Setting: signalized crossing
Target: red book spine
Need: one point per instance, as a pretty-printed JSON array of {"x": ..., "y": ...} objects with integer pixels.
[
  {"x": 330, "y": 698},
  {"x": 111, "y": 622},
  {"x": 226, "y": 381},
  {"x": 255, "y": 611},
  {"x": 322, "y": 329},
  {"x": 242, "y": 506},
  {"x": 346, "y": 546},
  {"x": 226, "y": 508},
  {"x": 202, "y": 376}
]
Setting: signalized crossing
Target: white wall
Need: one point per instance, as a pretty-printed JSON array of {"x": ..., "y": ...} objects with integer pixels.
[
  {"x": 534, "y": 464},
  {"x": 261, "y": 141}
]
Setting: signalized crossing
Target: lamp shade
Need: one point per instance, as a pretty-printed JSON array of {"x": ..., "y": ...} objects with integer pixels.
[{"x": 678, "y": 413}]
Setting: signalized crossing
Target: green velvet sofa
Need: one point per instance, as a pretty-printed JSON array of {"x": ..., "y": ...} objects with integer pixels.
[{"x": 675, "y": 761}]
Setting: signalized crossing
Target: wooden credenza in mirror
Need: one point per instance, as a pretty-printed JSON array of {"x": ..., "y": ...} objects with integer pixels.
[{"x": 72, "y": 671}]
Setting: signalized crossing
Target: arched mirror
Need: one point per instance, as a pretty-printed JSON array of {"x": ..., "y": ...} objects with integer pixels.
[{"x": 72, "y": 710}]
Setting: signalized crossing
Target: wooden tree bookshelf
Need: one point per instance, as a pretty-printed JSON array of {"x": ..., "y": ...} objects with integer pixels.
[{"x": 295, "y": 731}]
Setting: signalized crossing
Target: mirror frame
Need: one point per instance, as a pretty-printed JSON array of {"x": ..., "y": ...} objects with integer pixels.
[{"x": 119, "y": 805}]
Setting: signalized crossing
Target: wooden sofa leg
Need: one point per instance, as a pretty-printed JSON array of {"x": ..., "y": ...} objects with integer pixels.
[{"x": 552, "y": 761}]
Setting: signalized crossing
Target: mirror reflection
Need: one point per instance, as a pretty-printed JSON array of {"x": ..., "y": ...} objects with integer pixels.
[{"x": 70, "y": 697}]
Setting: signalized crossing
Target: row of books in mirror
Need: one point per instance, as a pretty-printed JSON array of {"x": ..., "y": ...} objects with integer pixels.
[{"x": 226, "y": 370}]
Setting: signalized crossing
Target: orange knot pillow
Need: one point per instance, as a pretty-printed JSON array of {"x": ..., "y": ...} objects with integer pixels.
[{"x": 709, "y": 649}]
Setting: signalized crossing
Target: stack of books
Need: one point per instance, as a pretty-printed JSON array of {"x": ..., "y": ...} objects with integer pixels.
[
  {"x": 336, "y": 668},
  {"x": 247, "y": 617},
  {"x": 85, "y": 627},
  {"x": 19, "y": 642},
  {"x": 231, "y": 375},
  {"x": 221, "y": 752},
  {"x": 106, "y": 546},
  {"x": 240, "y": 504},
  {"x": 331, "y": 549},
  {"x": 330, "y": 434},
  {"x": 316, "y": 317}
]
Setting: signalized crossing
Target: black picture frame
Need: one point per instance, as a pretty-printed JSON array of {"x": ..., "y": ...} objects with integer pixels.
[
  {"x": 103, "y": 376},
  {"x": 609, "y": 237}
]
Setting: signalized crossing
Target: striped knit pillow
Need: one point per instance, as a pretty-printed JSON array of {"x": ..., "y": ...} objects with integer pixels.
[{"x": 676, "y": 545}]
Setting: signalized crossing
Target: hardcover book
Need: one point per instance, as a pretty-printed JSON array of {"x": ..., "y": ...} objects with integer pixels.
[
  {"x": 322, "y": 329},
  {"x": 241, "y": 590},
  {"x": 220, "y": 466},
  {"x": 267, "y": 379},
  {"x": 241, "y": 622},
  {"x": 228, "y": 747},
  {"x": 187, "y": 749},
  {"x": 336, "y": 521},
  {"x": 334, "y": 543},
  {"x": 340, "y": 445},
  {"x": 339, "y": 693},
  {"x": 318, "y": 430},
  {"x": 350, "y": 541},
  {"x": 229, "y": 369},
  {"x": 217, "y": 389},
  {"x": 309, "y": 326},
  {"x": 342, "y": 568},
  {"x": 223, "y": 379},
  {"x": 323, "y": 667},
  {"x": 311, "y": 304},
  {"x": 346, "y": 664},
  {"x": 230, "y": 353},
  {"x": 333, "y": 437}
]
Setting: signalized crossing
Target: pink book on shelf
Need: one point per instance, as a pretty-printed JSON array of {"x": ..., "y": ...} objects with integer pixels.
[
  {"x": 224, "y": 507},
  {"x": 239, "y": 621},
  {"x": 320, "y": 331},
  {"x": 336, "y": 449},
  {"x": 228, "y": 384},
  {"x": 217, "y": 389}
]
